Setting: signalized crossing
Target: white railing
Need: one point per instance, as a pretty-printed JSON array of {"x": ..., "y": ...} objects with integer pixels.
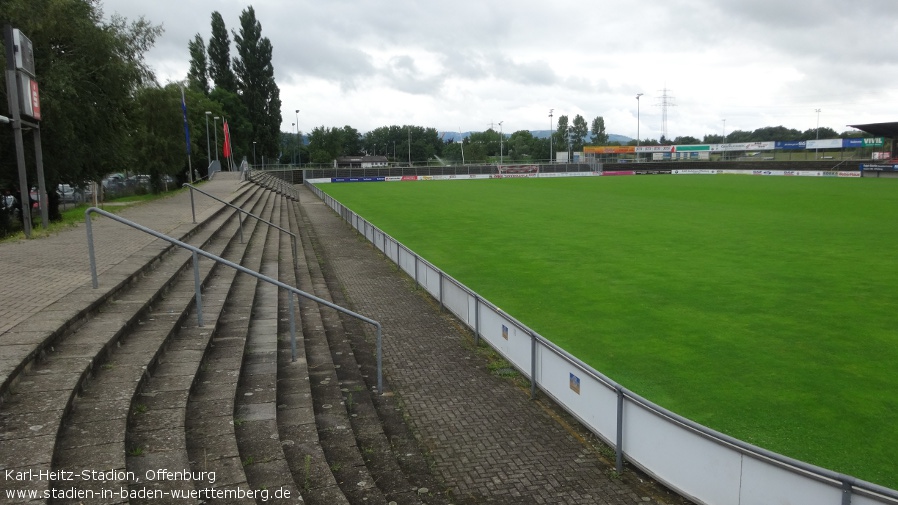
[{"x": 702, "y": 464}]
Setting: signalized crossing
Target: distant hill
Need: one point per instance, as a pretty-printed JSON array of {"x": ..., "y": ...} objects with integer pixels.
[{"x": 540, "y": 134}]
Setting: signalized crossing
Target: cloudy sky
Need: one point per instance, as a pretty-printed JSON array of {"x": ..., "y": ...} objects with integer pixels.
[{"x": 468, "y": 64}]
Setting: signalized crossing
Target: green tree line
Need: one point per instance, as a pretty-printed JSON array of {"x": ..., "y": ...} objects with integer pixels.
[{"x": 103, "y": 110}]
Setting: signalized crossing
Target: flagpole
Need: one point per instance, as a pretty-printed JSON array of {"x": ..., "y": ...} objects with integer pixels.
[{"x": 187, "y": 137}]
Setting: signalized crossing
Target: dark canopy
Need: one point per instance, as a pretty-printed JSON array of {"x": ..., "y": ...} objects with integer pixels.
[{"x": 889, "y": 130}]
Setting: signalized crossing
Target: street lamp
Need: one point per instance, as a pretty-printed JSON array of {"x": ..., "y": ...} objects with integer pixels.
[
  {"x": 637, "y": 122},
  {"x": 724, "y": 139},
  {"x": 208, "y": 145},
  {"x": 294, "y": 144},
  {"x": 215, "y": 129},
  {"x": 551, "y": 127},
  {"x": 816, "y": 149},
  {"x": 500, "y": 143},
  {"x": 254, "y": 154},
  {"x": 298, "y": 138}
]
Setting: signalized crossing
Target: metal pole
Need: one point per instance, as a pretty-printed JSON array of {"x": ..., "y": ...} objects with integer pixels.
[
  {"x": 551, "y": 134},
  {"x": 192, "y": 208},
  {"x": 197, "y": 286},
  {"x": 380, "y": 355},
  {"x": 532, "y": 366},
  {"x": 292, "y": 326},
  {"x": 215, "y": 128},
  {"x": 13, "y": 100},
  {"x": 90, "y": 250},
  {"x": 619, "y": 450},
  {"x": 41, "y": 184},
  {"x": 209, "y": 146},
  {"x": 441, "y": 289},
  {"x": 476, "y": 321},
  {"x": 637, "y": 123}
]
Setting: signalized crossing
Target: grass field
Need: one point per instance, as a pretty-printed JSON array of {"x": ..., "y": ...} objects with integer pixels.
[{"x": 763, "y": 307}]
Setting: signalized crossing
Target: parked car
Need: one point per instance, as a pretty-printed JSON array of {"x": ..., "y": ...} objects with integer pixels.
[{"x": 67, "y": 194}]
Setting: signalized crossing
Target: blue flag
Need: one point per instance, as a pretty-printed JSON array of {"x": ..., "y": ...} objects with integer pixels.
[{"x": 186, "y": 129}]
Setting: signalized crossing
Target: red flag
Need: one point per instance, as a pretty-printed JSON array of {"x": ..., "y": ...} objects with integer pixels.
[{"x": 227, "y": 141}]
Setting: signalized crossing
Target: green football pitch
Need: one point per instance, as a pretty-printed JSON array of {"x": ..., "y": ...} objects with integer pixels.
[{"x": 762, "y": 307}]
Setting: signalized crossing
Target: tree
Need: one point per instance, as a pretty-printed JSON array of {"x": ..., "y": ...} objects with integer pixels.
[
  {"x": 231, "y": 108},
  {"x": 560, "y": 136},
  {"x": 599, "y": 135},
  {"x": 88, "y": 72},
  {"x": 685, "y": 140},
  {"x": 159, "y": 133},
  {"x": 254, "y": 73},
  {"x": 220, "y": 56},
  {"x": 198, "y": 75},
  {"x": 579, "y": 130}
]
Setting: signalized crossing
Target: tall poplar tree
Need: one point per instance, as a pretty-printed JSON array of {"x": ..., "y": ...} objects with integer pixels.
[
  {"x": 220, "y": 56},
  {"x": 254, "y": 74},
  {"x": 198, "y": 75}
]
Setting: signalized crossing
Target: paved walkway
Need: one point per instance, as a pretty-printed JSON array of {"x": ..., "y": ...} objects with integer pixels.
[{"x": 490, "y": 443}]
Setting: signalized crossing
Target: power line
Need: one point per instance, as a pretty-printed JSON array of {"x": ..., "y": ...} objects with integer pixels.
[{"x": 666, "y": 101}]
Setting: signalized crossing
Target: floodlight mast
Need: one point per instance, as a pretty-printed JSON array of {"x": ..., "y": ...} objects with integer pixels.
[
  {"x": 551, "y": 127},
  {"x": 637, "y": 123}
]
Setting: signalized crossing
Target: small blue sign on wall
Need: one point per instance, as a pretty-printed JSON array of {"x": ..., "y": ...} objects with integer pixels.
[
  {"x": 505, "y": 332},
  {"x": 575, "y": 383}
]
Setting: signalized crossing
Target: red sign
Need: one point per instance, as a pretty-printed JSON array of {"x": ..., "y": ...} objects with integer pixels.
[{"x": 35, "y": 101}]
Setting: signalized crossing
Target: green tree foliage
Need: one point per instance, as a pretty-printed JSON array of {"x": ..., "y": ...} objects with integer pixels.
[
  {"x": 88, "y": 72},
  {"x": 198, "y": 75},
  {"x": 231, "y": 108},
  {"x": 326, "y": 144},
  {"x": 579, "y": 130},
  {"x": 159, "y": 132},
  {"x": 685, "y": 140},
  {"x": 220, "y": 56},
  {"x": 254, "y": 74},
  {"x": 559, "y": 136},
  {"x": 599, "y": 135}
]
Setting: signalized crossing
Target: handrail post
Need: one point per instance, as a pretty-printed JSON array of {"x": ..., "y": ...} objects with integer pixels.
[
  {"x": 192, "y": 207},
  {"x": 198, "y": 288},
  {"x": 441, "y": 290},
  {"x": 295, "y": 257},
  {"x": 380, "y": 353},
  {"x": 476, "y": 321},
  {"x": 90, "y": 250},
  {"x": 847, "y": 484},
  {"x": 619, "y": 450},
  {"x": 240, "y": 220},
  {"x": 292, "y": 326},
  {"x": 532, "y": 366}
]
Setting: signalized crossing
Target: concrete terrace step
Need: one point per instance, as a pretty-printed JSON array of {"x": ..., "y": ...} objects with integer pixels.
[
  {"x": 295, "y": 413},
  {"x": 158, "y": 438},
  {"x": 31, "y": 418},
  {"x": 255, "y": 403},
  {"x": 41, "y": 324},
  {"x": 76, "y": 358}
]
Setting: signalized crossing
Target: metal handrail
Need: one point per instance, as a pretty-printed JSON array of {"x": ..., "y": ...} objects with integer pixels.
[
  {"x": 198, "y": 287},
  {"x": 239, "y": 219}
]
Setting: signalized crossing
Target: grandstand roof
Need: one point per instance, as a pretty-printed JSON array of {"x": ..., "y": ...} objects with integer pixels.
[{"x": 889, "y": 130}]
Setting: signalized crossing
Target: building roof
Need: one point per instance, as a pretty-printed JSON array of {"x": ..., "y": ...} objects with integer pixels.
[{"x": 889, "y": 130}]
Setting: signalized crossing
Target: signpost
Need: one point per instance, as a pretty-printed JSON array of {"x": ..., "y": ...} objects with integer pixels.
[{"x": 24, "y": 99}]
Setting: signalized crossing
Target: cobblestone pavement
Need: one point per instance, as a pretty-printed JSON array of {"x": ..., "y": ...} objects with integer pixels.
[
  {"x": 488, "y": 441},
  {"x": 39, "y": 272}
]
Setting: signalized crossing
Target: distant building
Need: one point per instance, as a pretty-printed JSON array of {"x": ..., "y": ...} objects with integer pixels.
[{"x": 361, "y": 162}]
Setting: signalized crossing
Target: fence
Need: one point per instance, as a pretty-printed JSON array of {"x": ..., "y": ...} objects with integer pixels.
[{"x": 701, "y": 464}]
